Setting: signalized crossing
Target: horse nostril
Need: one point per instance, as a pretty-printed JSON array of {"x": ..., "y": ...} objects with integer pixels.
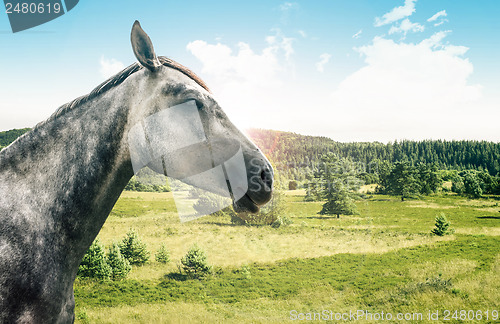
[{"x": 266, "y": 177}]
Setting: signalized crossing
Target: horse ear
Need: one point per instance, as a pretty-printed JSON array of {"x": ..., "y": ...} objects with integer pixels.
[{"x": 143, "y": 48}]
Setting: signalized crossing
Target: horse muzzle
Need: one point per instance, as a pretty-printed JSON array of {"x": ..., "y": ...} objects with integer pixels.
[{"x": 260, "y": 185}]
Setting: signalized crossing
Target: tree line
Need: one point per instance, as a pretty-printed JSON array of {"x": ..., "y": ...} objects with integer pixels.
[{"x": 298, "y": 151}]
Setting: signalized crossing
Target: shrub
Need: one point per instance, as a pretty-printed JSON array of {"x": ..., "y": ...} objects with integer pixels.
[
  {"x": 268, "y": 213},
  {"x": 472, "y": 184},
  {"x": 136, "y": 185},
  {"x": 442, "y": 226},
  {"x": 94, "y": 263},
  {"x": 162, "y": 255},
  {"x": 133, "y": 249},
  {"x": 146, "y": 180},
  {"x": 83, "y": 317},
  {"x": 120, "y": 267},
  {"x": 292, "y": 185},
  {"x": 195, "y": 263},
  {"x": 282, "y": 221},
  {"x": 457, "y": 185},
  {"x": 245, "y": 272},
  {"x": 435, "y": 283}
]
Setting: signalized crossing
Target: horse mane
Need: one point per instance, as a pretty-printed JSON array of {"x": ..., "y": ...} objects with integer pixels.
[
  {"x": 110, "y": 83},
  {"x": 122, "y": 76}
]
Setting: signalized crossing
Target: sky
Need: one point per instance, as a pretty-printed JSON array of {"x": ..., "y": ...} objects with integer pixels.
[{"x": 357, "y": 70}]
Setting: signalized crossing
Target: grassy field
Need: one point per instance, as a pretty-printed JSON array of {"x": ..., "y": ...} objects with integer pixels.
[{"x": 382, "y": 260}]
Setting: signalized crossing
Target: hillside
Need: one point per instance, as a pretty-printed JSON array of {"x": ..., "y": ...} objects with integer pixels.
[
  {"x": 10, "y": 136},
  {"x": 289, "y": 151}
]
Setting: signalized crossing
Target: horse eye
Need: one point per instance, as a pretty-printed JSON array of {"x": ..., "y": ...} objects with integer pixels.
[{"x": 199, "y": 104}]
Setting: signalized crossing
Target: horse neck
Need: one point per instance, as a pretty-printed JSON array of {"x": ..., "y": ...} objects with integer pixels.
[{"x": 69, "y": 171}]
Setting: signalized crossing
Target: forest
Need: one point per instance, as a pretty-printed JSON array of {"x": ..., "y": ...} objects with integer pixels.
[{"x": 294, "y": 150}]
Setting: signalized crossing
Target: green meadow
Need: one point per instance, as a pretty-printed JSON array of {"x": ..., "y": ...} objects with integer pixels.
[{"x": 384, "y": 259}]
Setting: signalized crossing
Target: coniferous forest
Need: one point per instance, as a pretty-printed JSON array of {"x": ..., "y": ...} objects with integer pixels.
[{"x": 292, "y": 149}]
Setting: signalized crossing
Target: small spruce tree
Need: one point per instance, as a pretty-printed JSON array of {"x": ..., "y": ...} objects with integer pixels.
[
  {"x": 133, "y": 249},
  {"x": 195, "y": 263},
  {"x": 120, "y": 267},
  {"x": 442, "y": 226},
  {"x": 94, "y": 264},
  {"x": 162, "y": 255}
]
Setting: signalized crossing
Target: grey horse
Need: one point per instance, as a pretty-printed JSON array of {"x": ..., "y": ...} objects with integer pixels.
[{"x": 59, "y": 182}]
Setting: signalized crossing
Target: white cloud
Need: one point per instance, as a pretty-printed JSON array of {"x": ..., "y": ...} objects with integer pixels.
[
  {"x": 302, "y": 33},
  {"x": 407, "y": 90},
  {"x": 287, "y": 9},
  {"x": 441, "y": 13},
  {"x": 219, "y": 60},
  {"x": 246, "y": 66},
  {"x": 397, "y": 13},
  {"x": 406, "y": 26},
  {"x": 358, "y": 34},
  {"x": 281, "y": 42},
  {"x": 110, "y": 67},
  {"x": 324, "y": 58},
  {"x": 288, "y": 5},
  {"x": 248, "y": 84}
]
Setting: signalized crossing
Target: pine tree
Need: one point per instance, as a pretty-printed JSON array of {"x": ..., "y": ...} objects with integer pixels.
[
  {"x": 133, "y": 249},
  {"x": 162, "y": 255},
  {"x": 428, "y": 178},
  {"x": 403, "y": 180},
  {"x": 195, "y": 262},
  {"x": 339, "y": 202},
  {"x": 94, "y": 263},
  {"x": 442, "y": 226},
  {"x": 338, "y": 178},
  {"x": 120, "y": 267}
]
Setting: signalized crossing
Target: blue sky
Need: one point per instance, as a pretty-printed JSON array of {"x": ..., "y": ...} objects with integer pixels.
[{"x": 350, "y": 70}]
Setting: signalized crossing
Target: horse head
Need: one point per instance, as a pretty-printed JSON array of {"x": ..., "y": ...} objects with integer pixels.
[{"x": 176, "y": 127}]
